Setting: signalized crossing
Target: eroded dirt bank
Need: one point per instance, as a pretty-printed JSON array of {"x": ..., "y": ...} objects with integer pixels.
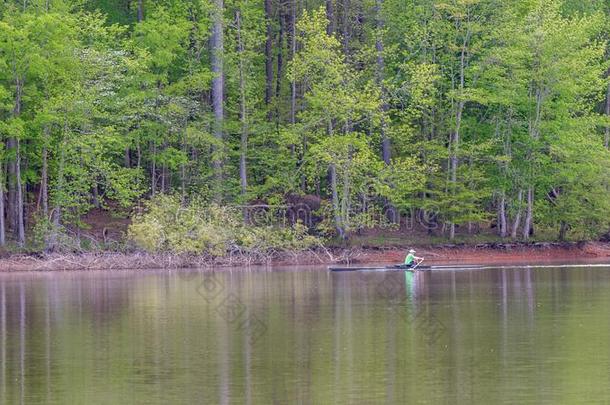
[
  {"x": 596, "y": 252},
  {"x": 496, "y": 253}
]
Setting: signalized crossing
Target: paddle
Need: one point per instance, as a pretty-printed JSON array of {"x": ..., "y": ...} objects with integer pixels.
[{"x": 418, "y": 263}]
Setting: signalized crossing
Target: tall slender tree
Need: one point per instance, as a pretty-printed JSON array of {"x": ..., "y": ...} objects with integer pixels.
[{"x": 217, "y": 61}]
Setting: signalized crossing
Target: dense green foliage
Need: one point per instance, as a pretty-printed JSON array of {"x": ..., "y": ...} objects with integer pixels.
[
  {"x": 169, "y": 226},
  {"x": 468, "y": 113}
]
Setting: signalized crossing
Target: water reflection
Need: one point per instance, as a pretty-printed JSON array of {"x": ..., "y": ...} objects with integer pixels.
[{"x": 505, "y": 336}]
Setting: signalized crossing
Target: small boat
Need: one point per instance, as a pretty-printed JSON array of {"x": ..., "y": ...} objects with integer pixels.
[
  {"x": 400, "y": 267},
  {"x": 395, "y": 267}
]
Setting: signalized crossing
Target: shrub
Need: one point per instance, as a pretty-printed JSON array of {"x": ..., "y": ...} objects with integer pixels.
[
  {"x": 166, "y": 225},
  {"x": 49, "y": 237}
]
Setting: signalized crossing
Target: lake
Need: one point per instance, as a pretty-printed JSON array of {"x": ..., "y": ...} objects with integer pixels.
[{"x": 306, "y": 336}]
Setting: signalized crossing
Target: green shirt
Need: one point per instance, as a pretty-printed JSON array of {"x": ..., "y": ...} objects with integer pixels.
[{"x": 409, "y": 259}]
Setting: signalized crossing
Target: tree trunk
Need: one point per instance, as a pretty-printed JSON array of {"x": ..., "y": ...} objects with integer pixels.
[
  {"x": 12, "y": 164},
  {"x": 242, "y": 110},
  {"x": 517, "y": 219},
  {"x": 345, "y": 201},
  {"x": 336, "y": 203},
  {"x": 502, "y": 229},
  {"x": 96, "y": 196},
  {"x": 217, "y": 42},
  {"x": 453, "y": 162},
  {"x": 11, "y": 217},
  {"x": 20, "y": 205},
  {"x": 268, "y": 53},
  {"x": 153, "y": 170},
  {"x": 59, "y": 186},
  {"x": 280, "y": 62},
  {"x": 335, "y": 193},
  {"x": 534, "y": 132},
  {"x": 140, "y": 10},
  {"x": 505, "y": 137},
  {"x": 301, "y": 163},
  {"x": 15, "y": 184},
  {"x": 529, "y": 212},
  {"x": 380, "y": 77},
  {"x": 607, "y": 110},
  {"x": 293, "y": 51},
  {"x": 183, "y": 165},
  {"x": 346, "y": 27},
  {"x": 451, "y": 231},
  {"x": 455, "y": 139},
  {"x": 44, "y": 181},
  {"x": 330, "y": 15},
  {"x": 52, "y": 241},
  {"x": 163, "y": 173},
  {"x": 293, "y": 85},
  {"x": 563, "y": 230}
]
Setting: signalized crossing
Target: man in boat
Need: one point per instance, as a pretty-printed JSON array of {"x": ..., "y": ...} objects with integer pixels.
[{"x": 411, "y": 260}]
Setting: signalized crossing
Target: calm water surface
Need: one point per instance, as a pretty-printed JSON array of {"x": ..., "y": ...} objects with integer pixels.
[{"x": 506, "y": 336}]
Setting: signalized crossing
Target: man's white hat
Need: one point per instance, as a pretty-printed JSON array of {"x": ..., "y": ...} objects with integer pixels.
[{"x": 412, "y": 251}]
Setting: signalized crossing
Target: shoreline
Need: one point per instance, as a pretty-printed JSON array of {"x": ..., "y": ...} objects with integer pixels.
[{"x": 492, "y": 253}]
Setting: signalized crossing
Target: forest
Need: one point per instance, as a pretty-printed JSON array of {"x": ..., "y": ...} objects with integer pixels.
[{"x": 466, "y": 116}]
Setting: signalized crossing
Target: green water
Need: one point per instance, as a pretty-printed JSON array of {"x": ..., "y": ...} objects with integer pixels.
[{"x": 511, "y": 336}]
